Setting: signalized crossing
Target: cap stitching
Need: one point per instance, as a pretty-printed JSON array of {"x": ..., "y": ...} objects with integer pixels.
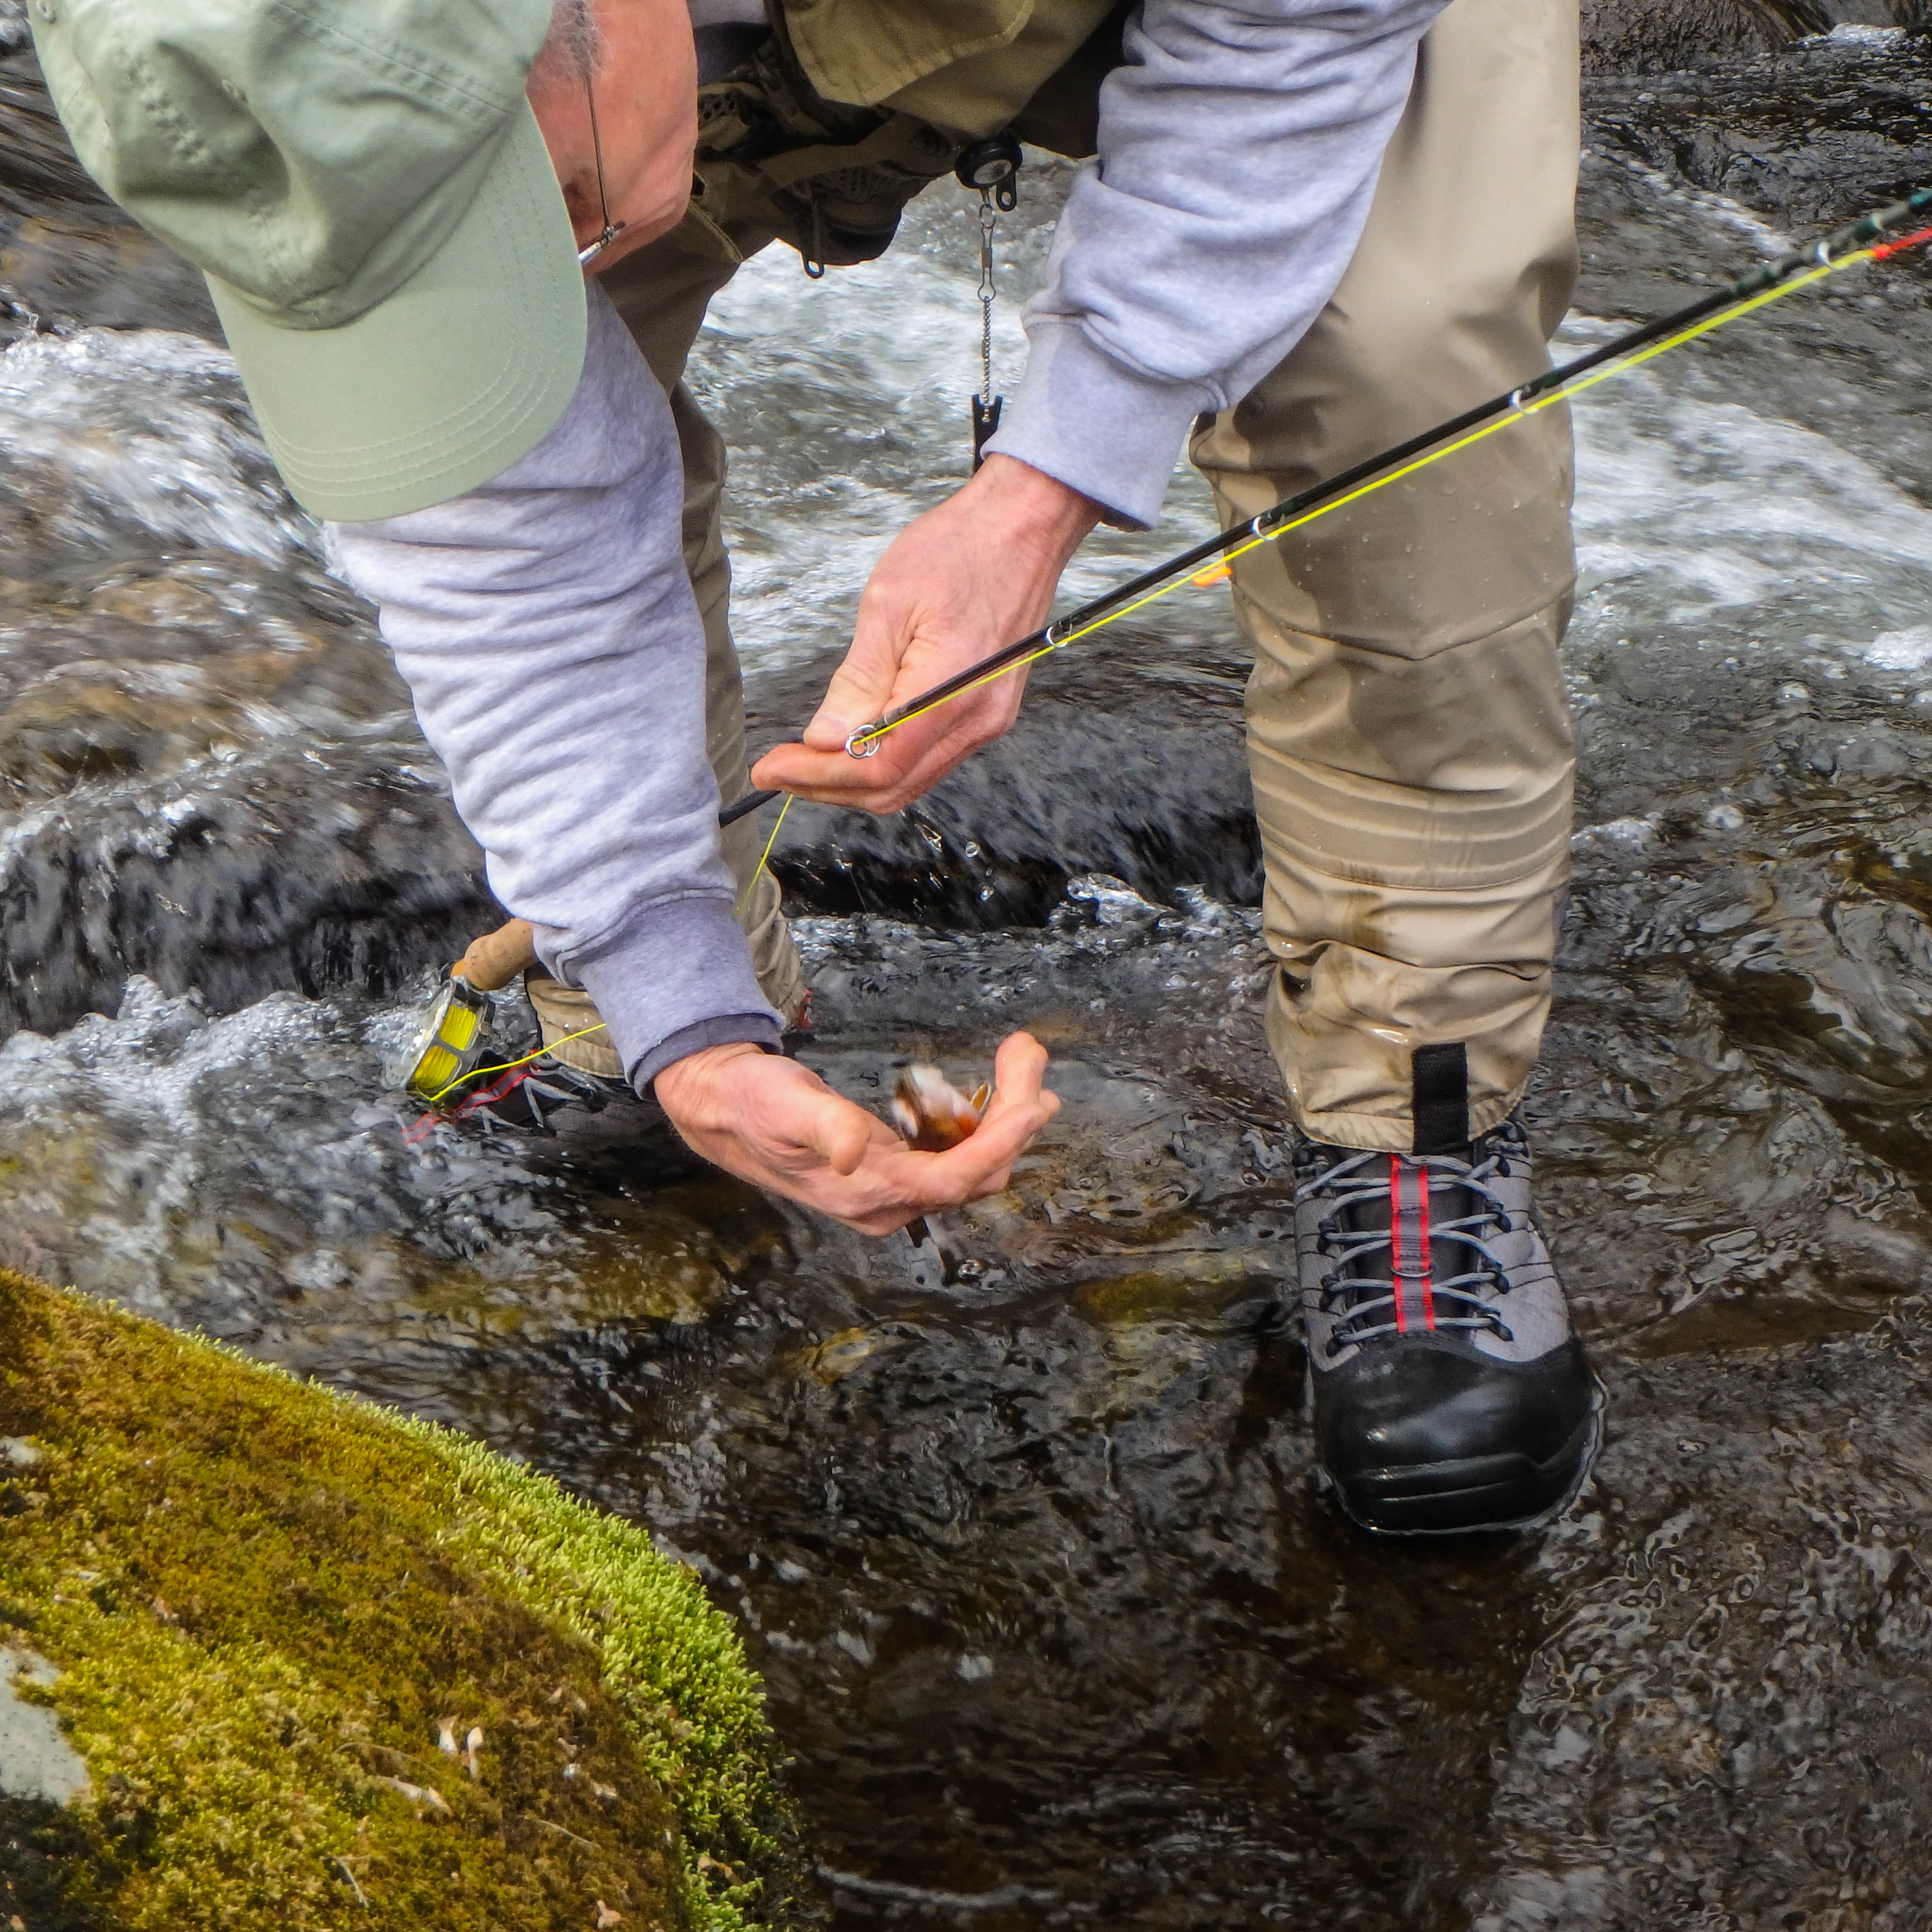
[
  {"x": 434, "y": 448},
  {"x": 189, "y": 146},
  {"x": 494, "y": 412},
  {"x": 398, "y": 60}
]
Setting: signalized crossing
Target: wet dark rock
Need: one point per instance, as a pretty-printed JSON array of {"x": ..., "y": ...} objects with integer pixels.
[
  {"x": 1821, "y": 132},
  {"x": 78, "y": 267},
  {"x": 208, "y": 770},
  {"x": 1659, "y": 36},
  {"x": 39, "y": 165},
  {"x": 249, "y": 886},
  {"x": 1130, "y": 759},
  {"x": 211, "y": 777},
  {"x": 1780, "y": 1778},
  {"x": 68, "y": 257}
]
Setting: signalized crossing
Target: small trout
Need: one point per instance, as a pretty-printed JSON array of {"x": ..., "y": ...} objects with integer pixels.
[{"x": 931, "y": 1113}]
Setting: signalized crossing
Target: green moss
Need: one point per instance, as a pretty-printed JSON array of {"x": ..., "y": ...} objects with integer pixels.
[{"x": 267, "y": 1602}]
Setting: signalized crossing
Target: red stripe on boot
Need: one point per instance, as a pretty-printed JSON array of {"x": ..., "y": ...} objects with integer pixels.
[{"x": 1396, "y": 1281}]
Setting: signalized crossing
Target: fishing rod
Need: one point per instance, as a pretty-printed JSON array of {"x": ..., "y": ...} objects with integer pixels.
[{"x": 1848, "y": 247}]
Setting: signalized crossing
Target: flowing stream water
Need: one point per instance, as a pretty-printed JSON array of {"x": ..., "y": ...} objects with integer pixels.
[{"x": 1021, "y": 1531}]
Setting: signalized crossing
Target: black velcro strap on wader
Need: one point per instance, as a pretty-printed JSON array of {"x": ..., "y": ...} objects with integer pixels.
[{"x": 1440, "y": 1075}]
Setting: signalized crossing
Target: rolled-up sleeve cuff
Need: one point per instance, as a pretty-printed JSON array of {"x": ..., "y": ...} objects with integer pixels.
[
  {"x": 1096, "y": 425},
  {"x": 677, "y": 980}
]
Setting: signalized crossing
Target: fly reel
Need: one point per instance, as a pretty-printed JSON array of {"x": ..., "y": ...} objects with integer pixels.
[{"x": 454, "y": 1043}]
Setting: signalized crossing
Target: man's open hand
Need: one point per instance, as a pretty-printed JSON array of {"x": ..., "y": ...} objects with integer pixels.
[
  {"x": 973, "y": 574},
  {"x": 773, "y": 1122}
]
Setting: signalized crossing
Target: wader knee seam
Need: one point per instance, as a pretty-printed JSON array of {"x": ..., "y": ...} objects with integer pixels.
[
  {"x": 1427, "y": 880},
  {"x": 1255, "y": 617}
]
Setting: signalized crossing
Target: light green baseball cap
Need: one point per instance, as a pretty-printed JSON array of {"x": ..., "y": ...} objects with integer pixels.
[{"x": 364, "y": 186}]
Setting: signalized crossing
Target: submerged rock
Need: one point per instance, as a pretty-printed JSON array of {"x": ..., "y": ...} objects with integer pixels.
[
  {"x": 1656, "y": 36},
  {"x": 273, "y": 1658}
]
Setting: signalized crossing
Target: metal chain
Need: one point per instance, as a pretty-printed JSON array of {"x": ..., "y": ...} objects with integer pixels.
[{"x": 988, "y": 293}]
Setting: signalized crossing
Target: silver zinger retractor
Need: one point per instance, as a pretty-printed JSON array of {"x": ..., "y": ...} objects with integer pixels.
[{"x": 453, "y": 1042}]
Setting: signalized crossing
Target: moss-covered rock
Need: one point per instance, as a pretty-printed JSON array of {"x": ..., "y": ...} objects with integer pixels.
[{"x": 271, "y": 1622}]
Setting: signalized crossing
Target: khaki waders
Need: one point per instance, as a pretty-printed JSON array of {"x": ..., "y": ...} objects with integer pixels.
[{"x": 1408, "y": 737}]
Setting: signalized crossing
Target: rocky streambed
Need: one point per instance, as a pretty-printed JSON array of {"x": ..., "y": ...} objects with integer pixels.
[{"x": 1020, "y": 1530}]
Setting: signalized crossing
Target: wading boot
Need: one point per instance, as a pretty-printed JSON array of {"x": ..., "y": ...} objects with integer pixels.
[
  {"x": 553, "y": 1096},
  {"x": 1448, "y": 1392}
]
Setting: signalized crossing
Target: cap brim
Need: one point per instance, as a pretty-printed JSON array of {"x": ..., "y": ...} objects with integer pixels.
[{"x": 447, "y": 382}]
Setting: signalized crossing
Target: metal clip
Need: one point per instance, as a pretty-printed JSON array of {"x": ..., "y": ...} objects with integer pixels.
[
  {"x": 585, "y": 256},
  {"x": 993, "y": 167}
]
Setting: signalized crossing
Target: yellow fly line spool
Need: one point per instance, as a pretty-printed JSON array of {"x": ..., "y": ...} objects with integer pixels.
[{"x": 453, "y": 1044}]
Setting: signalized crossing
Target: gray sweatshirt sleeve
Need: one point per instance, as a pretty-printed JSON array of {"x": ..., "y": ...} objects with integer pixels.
[
  {"x": 547, "y": 633},
  {"x": 1239, "y": 148}
]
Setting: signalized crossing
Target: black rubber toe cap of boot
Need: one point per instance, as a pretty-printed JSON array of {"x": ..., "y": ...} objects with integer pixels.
[{"x": 1421, "y": 1435}]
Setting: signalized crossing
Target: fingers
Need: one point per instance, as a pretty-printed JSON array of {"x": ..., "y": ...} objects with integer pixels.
[
  {"x": 776, "y": 1124},
  {"x": 1019, "y": 1108},
  {"x": 889, "y": 782},
  {"x": 904, "y": 611},
  {"x": 860, "y": 691},
  {"x": 840, "y": 1134},
  {"x": 909, "y": 761},
  {"x": 496, "y": 958},
  {"x": 877, "y": 1183},
  {"x": 1017, "y": 1069}
]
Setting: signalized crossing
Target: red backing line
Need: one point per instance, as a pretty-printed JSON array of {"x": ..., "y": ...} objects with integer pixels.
[
  {"x": 482, "y": 1097},
  {"x": 1886, "y": 251}
]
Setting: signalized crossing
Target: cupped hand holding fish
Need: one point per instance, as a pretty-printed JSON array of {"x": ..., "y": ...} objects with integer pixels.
[
  {"x": 957, "y": 584},
  {"x": 775, "y": 1124}
]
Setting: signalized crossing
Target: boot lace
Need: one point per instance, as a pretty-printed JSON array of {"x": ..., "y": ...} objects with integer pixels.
[{"x": 1368, "y": 1300}]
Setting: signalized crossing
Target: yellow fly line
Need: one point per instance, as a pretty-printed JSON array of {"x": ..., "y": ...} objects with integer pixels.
[
  {"x": 508, "y": 1066},
  {"x": 745, "y": 898}
]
